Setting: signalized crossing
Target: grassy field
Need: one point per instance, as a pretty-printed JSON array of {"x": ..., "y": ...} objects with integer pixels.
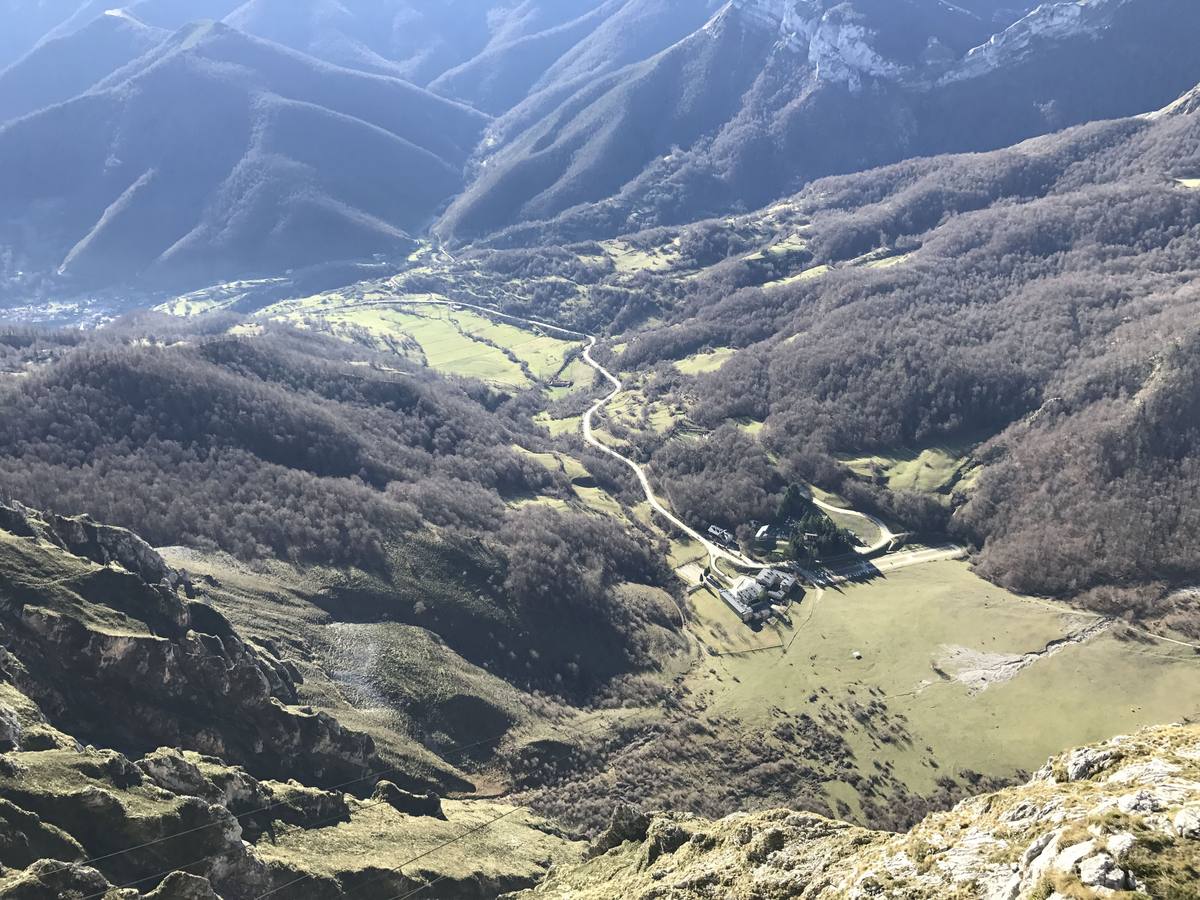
[
  {"x": 473, "y": 844},
  {"x": 930, "y": 470},
  {"x": 905, "y": 625},
  {"x": 453, "y": 341},
  {"x": 630, "y": 260},
  {"x": 864, "y": 529},
  {"x": 628, "y": 408},
  {"x": 887, "y": 262},
  {"x": 557, "y": 427},
  {"x": 814, "y": 272},
  {"x": 701, "y": 363}
]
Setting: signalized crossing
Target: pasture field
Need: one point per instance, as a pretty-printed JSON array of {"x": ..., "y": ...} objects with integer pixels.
[
  {"x": 453, "y": 341},
  {"x": 813, "y": 272},
  {"x": 558, "y": 427},
  {"x": 628, "y": 408},
  {"x": 928, "y": 470},
  {"x": 963, "y": 669},
  {"x": 630, "y": 260},
  {"x": 701, "y": 363}
]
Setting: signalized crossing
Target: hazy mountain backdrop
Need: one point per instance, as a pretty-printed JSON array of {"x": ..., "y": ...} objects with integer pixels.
[
  {"x": 189, "y": 152},
  {"x": 435, "y": 434}
]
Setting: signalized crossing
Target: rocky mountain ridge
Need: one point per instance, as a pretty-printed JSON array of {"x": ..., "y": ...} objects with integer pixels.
[
  {"x": 1121, "y": 819},
  {"x": 93, "y": 613},
  {"x": 839, "y": 39},
  {"x": 111, "y": 661}
]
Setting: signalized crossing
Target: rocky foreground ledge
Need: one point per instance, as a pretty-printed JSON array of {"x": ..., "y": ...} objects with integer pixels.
[{"x": 1121, "y": 819}]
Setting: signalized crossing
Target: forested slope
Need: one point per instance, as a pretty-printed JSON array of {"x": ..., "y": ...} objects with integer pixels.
[
  {"x": 1044, "y": 294},
  {"x": 401, "y": 484},
  {"x": 805, "y": 90},
  {"x": 249, "y": 176}
]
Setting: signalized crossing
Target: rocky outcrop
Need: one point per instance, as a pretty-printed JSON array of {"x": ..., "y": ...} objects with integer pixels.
[
  {"x": 100, "y": 646},
  {"x": 410, "y": 804},
  {"x": 1095, "y": 822},
  {"x": 103, "y": 544},
  {"x": 114, "y": 653},
  {"x": 1047, "y": 22}
]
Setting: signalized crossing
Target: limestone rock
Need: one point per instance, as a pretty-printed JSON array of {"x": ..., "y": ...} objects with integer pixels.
[
  {"x": 1004, "y": 846},
  {"x": 1101, "y": 871},
  {"x": 410, "y": 804},
  {"x": 50, "y": 879},
  {"x": 170, "y": 770},
  {"x": 1086, "y": 763},
  {"x": 307, "y": 807},
  {"x": 197, "y": 683},
  {"x": 627, "y": 824},
  {"x": 663, "y": 837},
  {"x": 1187, "y": 822},
  {"x": 181, "y": 886}
]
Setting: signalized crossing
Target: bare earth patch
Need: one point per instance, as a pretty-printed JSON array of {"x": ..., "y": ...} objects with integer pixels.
[{"x": 979, "y": 670}]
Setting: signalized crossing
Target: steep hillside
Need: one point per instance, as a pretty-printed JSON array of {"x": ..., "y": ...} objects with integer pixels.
[
  {"x": 111, "y": 658},
  {"x": 418, "y": 40},
  {"x": 915, "y": 337},
  {"x": 251, "y": 175},
  {"x": 1119, "y": 819},
  {"x": 404, "y": 487},
  {"x": 62, "y": 68},
  {"x": 1034, "y": 294},
  {"x": 26, "y": 23},
  {"x": 817, "y": 89}
]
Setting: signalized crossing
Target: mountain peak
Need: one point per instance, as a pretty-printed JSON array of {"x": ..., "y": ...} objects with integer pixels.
[{"x": 1187, "y": 104}]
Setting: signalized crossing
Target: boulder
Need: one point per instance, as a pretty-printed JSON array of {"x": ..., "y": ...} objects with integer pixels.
[
  {"x": 1088, "y": 762},
  {"x": 1072, "y": 856},
  {"x": 171, "y": 771},
  {"x": 1100, "y": 871},
  {"x": 1187, "y": 822},
  {"x": 1139, "y": 802},
  {"x": 1119, "y": 845}
]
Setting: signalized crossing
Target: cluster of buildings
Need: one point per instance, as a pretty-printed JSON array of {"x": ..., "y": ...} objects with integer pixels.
[{"x": 756, "y": 600}]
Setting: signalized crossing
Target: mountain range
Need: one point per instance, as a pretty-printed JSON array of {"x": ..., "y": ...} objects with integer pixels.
[{"x": 320, "y": 133}]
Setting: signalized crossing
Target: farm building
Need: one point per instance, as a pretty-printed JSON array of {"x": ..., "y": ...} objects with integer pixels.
[{"x": 753, "y": 600}]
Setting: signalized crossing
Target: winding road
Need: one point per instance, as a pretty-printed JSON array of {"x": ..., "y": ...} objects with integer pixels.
[
  {"x": 715, "y": 551},
  {"x": 886, "y": 535}
]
